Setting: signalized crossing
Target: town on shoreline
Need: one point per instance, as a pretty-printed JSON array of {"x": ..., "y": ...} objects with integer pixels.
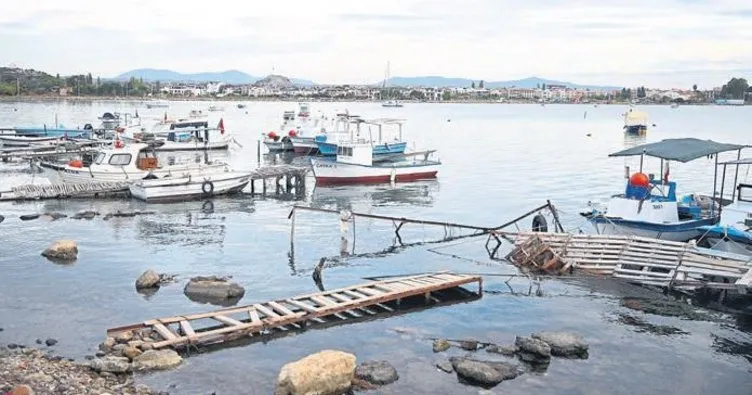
[{"x": 31, "y": 85}]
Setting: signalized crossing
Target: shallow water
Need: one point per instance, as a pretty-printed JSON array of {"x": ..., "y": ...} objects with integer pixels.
[{"x": 499, "y": 161}]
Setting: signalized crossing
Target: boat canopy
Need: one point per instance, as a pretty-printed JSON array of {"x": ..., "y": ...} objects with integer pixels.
[
  {"x": 680, "y": 150},
  {"x": 743, "y": 161}
]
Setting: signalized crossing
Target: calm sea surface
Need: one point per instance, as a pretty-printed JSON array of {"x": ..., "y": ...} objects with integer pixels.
[{"x": 499, "y": 161}]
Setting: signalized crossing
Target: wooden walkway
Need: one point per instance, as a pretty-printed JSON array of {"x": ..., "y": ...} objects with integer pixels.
[
  {"x": 296, "y": 313},
  {"x": 62, "y": 191},
  {"x": 638, "y": 259}
]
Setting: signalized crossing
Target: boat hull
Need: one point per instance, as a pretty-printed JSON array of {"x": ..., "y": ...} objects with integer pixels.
[
  {"x": 24, "y": 141},
  {"x": 637, "y": 130},
  {"x": 682, "y": 232},
  {"x": 334, "y": 173},
  {"x": 330, "y": 149},
  {"x": 278, "y": 146},
  {"x": 728, "y": 245},
  {"x": 304, "y": 145},
  {"x": 50, "y": 132},
  {"x": 189, "y": 188}
]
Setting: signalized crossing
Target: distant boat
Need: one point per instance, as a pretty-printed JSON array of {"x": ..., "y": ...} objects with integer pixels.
[
  {"x": 216, "y": 108},
  {"x": 241, "y": 105},
  {"x": 635, "y": 122},
  {"x": 390, "y": 102},
  {"x": 157, "y": 104},
  {"x": 674, "y": 105}
]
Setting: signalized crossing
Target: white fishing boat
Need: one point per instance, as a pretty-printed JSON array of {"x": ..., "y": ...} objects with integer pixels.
[
  {"x": 297, "y": 132},
  {"x": 216, "y": 108},
  {"x": 157, "y": 104},
  {"x": 390, "y": 102},
  {"x": 122, "y": 162},
  {"x": 649, "y": 207},
  {"x": 27, "y": 141},
  {"x": 354, "y": 164},
  {"x": 636, "y": 122},
  {"x": 190, "y": 186}
]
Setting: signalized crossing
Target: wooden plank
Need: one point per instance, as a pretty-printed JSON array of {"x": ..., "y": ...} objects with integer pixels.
[
  {"x": 354, "y": 294},
  {"x": 187, "y": 329},
  {"x": 323, "y": 301},
  {"x": 267, "y": 312},
  {"x": 282, "y": 309},
  {"x": 340, "y": 297},
  {"x": 370, "y": 291},
  {"x": 304, "y": 306},
  {"x": 165, "y": 332},
  {"x": 253, "y": 314},
  {"x": 227, "y": 320}
]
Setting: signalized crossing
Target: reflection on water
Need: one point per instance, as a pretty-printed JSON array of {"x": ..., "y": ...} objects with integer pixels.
[{"x": 539, "y": 153}]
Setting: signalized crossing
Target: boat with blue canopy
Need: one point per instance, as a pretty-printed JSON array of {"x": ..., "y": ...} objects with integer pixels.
[
  {"x": 649, "y": 207},
  {"x": 348, "y": 128}
]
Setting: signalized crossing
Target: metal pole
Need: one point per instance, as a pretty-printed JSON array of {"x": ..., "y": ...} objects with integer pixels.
[
  {"x": 642, "y": 158},
  {"x": 736, "y": 174},
  {"x": 258, "y": 152},
  {"x": 723, "y": 181},
  {"x": 715, "y": 184}
]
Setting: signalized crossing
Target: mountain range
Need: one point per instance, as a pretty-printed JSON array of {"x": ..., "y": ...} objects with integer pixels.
[
  {"x": 228, "y": 77},
  {"x": 239, "y": 77}
]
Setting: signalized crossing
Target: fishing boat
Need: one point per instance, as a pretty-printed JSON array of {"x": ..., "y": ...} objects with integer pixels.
[
  {"x": 241, "y": 105},
  {"x": 354, "y": 164},
  {"x": 58, "y": 131},
  {"x": 190, "y": 186},
  {"x": 157, "y": 104},
  {"x": 27, "y": 141},
  {"x": 649, "y": 207},
  {"x": 216, "y": 108},
  {"x": 188, "y": 134},
  {"x": 635, "y": 122},
  {"x": 300, "y": 130},
  {"x": 733, "y": 233},
  {"x": 343, "y": 131},
  {"x": 122, "y": 161},
  {"x": 391, "y": 103}
]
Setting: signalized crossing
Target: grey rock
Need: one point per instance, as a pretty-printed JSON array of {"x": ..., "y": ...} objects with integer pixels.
[
  {"x": 445, "y": 366},
  {"x": 532, "y": 350},
  {"x": 476, "y": 372},
  {"x": 469, "y": 345},
  {"x": 377, "y": 372},
  {"x": 56, "y": 216},
  {"x": 39, "y": 341},
  {"x": 28, "y": 217},
  {"x": 50, "y": 342},
  {"x": 502, "y": 349},
  {"x": 2, "y": 219},
  {"x": 149, "y": 279},
  {"x": 208, "y": 288},
  {"x": 85, "y": 215},
  {"x": 111, "y": 364},
  {"x": 564, "y": 344},
  {"x": 440, "y": 345},
  {"x": 62, "y": 250}
]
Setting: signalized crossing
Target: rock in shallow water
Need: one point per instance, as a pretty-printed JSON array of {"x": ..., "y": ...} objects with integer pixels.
[
  {"x": 502, "y": 349},
  {"x": 483, "y": 373},
  {"x": 445, "y": 366},
  {"x": 440, "y": 345},
  {"x": 377, "y": 372},
  {"x": 156, "y": 360},
  {"x": 564, "y": 344},
  {"x": 212, "y": 288},
  {"x": 111, "y": 364},
  {"x": 28, "y": 217},
  {"x": 50, "y": 342},
  {"x": 326, "y": 372},
  {"x": 62, "y": 250},
  {"x": 533, "y": 350},
  {"x": 149, "y": 279}
]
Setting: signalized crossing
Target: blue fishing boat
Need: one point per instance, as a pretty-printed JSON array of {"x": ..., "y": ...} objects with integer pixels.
[
  {"x": 58, "y": 131},
  {"x": 649, "y": 207},
  {"x": 733, "y": 233},
  {"x": 345, "y": 132}
]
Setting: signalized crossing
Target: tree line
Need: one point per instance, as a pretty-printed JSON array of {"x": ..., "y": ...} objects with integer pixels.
[{"x": 15, "y": 81}]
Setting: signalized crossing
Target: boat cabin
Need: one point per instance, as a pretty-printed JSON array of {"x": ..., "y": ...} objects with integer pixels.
[
  {"x": 134, "y": 156},
  {"x": 355, "y": 153}
]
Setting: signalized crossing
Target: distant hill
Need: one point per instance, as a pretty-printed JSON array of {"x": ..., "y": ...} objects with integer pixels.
[
  {"x": 229, "y": 77},
  {"x": 531, "y": 82}
]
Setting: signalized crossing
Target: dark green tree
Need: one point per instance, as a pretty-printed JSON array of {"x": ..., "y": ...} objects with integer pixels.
[
  {"x": 472, "y": 85},
  {"x": 735, "y": 88},
  {"x": 480, "y": 84}
]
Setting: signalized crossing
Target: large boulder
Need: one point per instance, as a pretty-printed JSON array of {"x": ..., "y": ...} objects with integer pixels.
[
  {"x": 212, "y": 289},
  {"x": 156, "y": 360},
  {"x": 111, "y": 364},
  {"x": 532, "y": 350},
  {"x": 62, "y": 250},
  {"x": 327, "y": 372},
  {"x": 483, "y": 373},
  {"x": 564, "y": 344},
  {"x": 149, "y": 279}
]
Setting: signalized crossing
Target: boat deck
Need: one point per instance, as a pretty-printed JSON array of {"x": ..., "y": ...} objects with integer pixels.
[{"x": 262, "y": 319}]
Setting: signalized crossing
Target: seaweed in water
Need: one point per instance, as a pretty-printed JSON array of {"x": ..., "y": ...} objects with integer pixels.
[{"x": 642, "y": 326}]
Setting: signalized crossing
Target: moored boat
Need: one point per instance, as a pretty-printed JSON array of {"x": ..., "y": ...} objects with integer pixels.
[
  {"x": 733, "y": 233},
  {"x": 27, "y": 141},
  {"x": 649, "y": 207},
  {"x": 382, "y": 145},
  {"x": 191, "y": 134},
  {"x": 354, "y": 164},
  {"x": 121, "y": 162},
  {"x": 635, "y": 122},
  {"x": 190, "y": 186},
  {"x": 157, "y": 104}
]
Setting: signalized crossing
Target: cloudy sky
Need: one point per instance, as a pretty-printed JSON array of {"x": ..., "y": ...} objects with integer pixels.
[{"x": 660, "y": 43}]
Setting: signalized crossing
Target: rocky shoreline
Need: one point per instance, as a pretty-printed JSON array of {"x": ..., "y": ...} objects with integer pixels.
[{"x": 30, "y": 371}]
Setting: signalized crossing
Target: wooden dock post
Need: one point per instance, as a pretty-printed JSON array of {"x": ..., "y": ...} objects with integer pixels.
[{"x": 258, "y": 152}]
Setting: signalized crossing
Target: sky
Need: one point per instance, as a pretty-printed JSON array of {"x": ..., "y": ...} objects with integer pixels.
[{"x": 657, "y": 43}]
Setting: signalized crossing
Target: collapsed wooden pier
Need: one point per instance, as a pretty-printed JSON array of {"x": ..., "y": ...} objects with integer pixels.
[
  {"x": 261, "y": 319},
  {"x": 642, "y": 260},
  {"x": 293, "y": 176},
  {"x": 62, "y": 191}
]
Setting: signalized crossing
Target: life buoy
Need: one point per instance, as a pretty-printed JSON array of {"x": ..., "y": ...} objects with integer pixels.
[
  {"x": 207, "y": 187},
  {"x": 540, "y": 224},
  {"x": 119, "y": 144}
]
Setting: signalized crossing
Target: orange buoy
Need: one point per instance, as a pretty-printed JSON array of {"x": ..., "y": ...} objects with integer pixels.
[
  {"x": 292, "y": 133},
  {"x": 639, "y": 180},
  {"x": 119, "y": 144},
  {"x": 272, "y": 135},
  {"x": 76, "y": 163}
]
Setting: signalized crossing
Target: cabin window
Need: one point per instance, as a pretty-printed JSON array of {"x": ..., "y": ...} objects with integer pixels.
[
  {"x": 120, "y": 159},
  {"x": 745, "y": 193},
  {"x": 100, "y": 158}
]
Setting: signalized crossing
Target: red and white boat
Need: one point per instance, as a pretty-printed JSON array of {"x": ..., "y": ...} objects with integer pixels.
[{"x": 355, "y": 165}]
